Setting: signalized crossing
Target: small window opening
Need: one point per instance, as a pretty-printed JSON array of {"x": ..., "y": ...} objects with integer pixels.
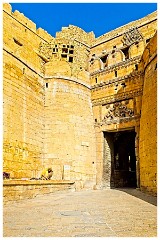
[
  {"x": 64, "y": 50},
  {"x": 64, "y": 45},
  {"x": 95, "y": 119},
  {"x": 70, "y": 59},
  {"x": 47, "y": 85},
  {"x": 23, "y": 71},
  {"x": 155, "y": 67},
  {"x": 17, "y": 42},
  {"x": 136, "y": 67},
  {"x": 126, "y": 52},
  {"x": 56, "y": 45},
  {"x": 104, "y": 59},
  {"x": 71, "y": 51},
  {"x": 72, "y": 46},
  {"x": 147, "y": 40},
  {"x": 96, "y": 79},
  {"x": 114, "y": 46},
  {"x": 63, "y": 55},
  {"x": 115, "y": 73},
  {"x": 55, "y": 50},
  {"x": 123, "y": 84}
]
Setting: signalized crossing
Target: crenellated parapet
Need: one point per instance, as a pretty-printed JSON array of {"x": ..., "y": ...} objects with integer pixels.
[
  {"x": 74, "y": 32},
  {"x": 26, "y": 23},
  {"x": 121, "y": 31}
]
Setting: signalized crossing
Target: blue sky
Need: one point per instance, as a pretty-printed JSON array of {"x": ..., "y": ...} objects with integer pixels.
[{"x": 97, "y": 17}]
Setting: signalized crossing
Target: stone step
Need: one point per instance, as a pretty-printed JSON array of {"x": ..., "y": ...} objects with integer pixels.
[{"x": 17, "y": 189}]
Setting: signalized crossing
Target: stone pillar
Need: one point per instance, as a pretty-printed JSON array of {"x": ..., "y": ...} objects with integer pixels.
[
  {"x": 108, "y": 159},
  {"x": 99, "y": 154}
]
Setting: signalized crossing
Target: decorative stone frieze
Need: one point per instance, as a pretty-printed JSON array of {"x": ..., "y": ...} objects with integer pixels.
[
  {"x": 119, "y": 120},
  {"x": 117, "y": 97},
  {"x": 132, "y": 36},
  {"x": 105, "y": 83},
  {"x": 117, "y": 66},
  {"x": 118, "y": 110}
]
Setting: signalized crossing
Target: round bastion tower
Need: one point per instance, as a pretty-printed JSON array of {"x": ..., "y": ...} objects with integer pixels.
[{"x": 69, "y": 137}]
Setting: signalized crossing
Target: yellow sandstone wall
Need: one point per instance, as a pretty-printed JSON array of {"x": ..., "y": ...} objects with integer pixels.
[
  {"x": 48, "y": 120},
  {"x": 69, "y": 127},
  {"x": 23, "y": 95},
  {"x": 148, "y": 122},
  {"x": 117, "y": 76},
  {"x": 59, "y": 94},
  {"x": 69, "y": 131}
]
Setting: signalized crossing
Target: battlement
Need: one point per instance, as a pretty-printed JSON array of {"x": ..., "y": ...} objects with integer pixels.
[
  {"x": 22, "y": 19},
  {"x": 121, "y": 30},
  {"x": 74, "y": 32}
]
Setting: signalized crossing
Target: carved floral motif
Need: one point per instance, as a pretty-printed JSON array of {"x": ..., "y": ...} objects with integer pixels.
[
  {"x": 118, "y": 110},
  {"x": 131, "y": 36}
]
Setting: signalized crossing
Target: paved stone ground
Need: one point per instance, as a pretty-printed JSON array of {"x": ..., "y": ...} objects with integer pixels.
[{"x": 91, "y": 213}]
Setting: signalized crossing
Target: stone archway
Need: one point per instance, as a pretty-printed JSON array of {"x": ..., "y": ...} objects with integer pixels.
[{"x": 119, "y": 163}]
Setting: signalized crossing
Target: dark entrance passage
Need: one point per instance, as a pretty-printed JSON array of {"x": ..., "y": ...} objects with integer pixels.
[{"x": 119, "y": 156}]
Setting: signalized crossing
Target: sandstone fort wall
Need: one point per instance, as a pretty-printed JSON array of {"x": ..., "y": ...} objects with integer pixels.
[
  {"x": 148, "y": 122},
  {"x": 63, "y": 95},
  {"x": 23, "y": 95}
]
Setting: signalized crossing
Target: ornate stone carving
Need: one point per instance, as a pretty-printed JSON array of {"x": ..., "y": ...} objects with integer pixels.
[
  {"x": 131, "y": 36},
  {"x": 118, "y": 110},
  {"x": 118, "y": 120}
]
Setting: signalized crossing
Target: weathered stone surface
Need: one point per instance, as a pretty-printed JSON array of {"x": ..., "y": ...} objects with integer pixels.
[
  {"x": 14, "y": 190},
  {"x": 101, "y": 213},
  {"x": 148, "y": 121},
  {"x": 61, "y": 94}
]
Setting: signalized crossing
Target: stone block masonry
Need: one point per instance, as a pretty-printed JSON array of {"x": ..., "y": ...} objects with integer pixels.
[
  {"x": 14, "y": 190},
  {"x": 62, "y": 95},
  {"x": 48, "y": 119},
  {"x": 148, "y": 122}
]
